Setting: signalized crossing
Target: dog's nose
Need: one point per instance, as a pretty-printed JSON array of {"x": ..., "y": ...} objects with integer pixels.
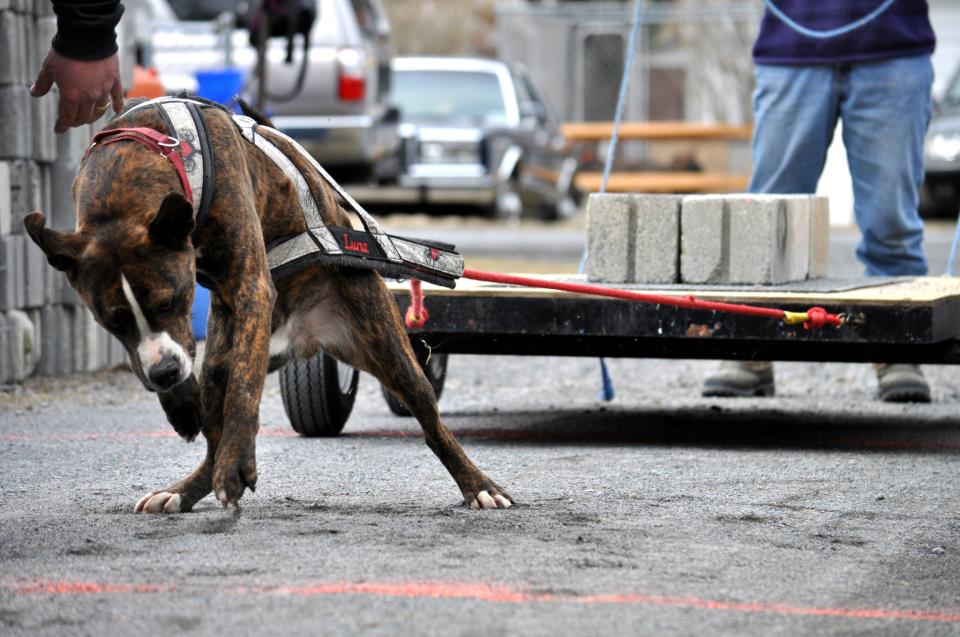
[{"x": 166, "y": 373}]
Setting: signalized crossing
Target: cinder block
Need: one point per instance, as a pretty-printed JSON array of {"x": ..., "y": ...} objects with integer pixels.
[
  {"x": 26, "y": 192},
  {"x": 704, "y": 239},
  {"x": 769, "y": 238},
  {"x": 6, "y": 352},
  {"x": 657, "y": 238},
  {"x": 609, "y": 238},
  {"x": 819, "y": 237},
  {"x": 44, "y": 115},
  {"x": 6, "y": 204},
  {"x": 12, "y": 294},
  {"x": 56, "y": 356},
  {"x": 24, "y": 345},
  {"x": 70, "y": 148},
  {"x": 41, "y": 8},
  {"x": 10, "y": 49},
  {"x": 35, "y": 275},
  {"x": 16, "y": 142}
]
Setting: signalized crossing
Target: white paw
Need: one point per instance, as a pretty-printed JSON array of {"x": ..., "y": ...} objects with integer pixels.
[
  {"x": 162, "y": 502},
  {"x": 485, "y": 501}
]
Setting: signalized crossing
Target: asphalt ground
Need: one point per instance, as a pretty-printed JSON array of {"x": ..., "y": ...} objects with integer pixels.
[{"x": 821, "y": 511}]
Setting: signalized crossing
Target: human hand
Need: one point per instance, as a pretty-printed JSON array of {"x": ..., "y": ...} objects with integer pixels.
[{"x": 87, "y": 87}]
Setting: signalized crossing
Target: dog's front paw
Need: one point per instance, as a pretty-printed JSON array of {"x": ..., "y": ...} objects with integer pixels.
[
  {"x": 159, "y": 502},
  {"x": 491, "y": 497},
  {"x": 181, "y": 404},
  {"x": 234, "y": 472}
]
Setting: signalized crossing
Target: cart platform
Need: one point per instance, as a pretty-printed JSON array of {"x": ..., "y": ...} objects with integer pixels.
[{"x": 894, "y": 319}]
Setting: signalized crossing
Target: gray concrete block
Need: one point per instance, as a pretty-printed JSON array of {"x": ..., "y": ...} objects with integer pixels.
[
  {"x": 43, "y": 117},
  {"x": 610, "y": 237},
  {"x": 6, "y": 352},
  {"x": 42, "y": 8},
  {"x": 6, "y": 203},
  {"x": 24, "y": 344},
  {"x": 26, "y": 192},
  {"x": 704, "y": 239},
  {"x": 769, "y": 238},
  {"x": 16, "y": 142},
  {"x": 656, "y": 249},
  {"x": 56, "y": 356},
  {"x": 71, "y": 146},
  {"x": 819, "y": 237},
  {"x": 10, "y": 49},
  {"x": 35, "y": 274},
  {"x": 12, "y": 294}
]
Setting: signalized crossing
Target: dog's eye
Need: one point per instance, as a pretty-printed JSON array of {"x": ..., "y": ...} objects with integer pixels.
[{"x": 165, "y": 307}]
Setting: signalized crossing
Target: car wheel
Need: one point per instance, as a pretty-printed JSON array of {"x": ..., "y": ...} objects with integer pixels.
[
  {"x": 318, "y": 394},
  {"x": 508, "y": 204},
  {"x": 434, "y": 366}
]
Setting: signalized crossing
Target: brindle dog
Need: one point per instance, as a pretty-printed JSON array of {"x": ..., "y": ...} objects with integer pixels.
[{"x": 134, "y": 261}]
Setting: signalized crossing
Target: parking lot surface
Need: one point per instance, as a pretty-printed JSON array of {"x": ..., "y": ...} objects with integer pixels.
[{"x": 821, "y": 511}]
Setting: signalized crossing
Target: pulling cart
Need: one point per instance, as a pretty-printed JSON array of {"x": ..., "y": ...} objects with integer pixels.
[{"x": 894, "y": 319}]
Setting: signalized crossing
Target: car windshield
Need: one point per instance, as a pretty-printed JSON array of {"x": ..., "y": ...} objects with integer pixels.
[{"x": 449, "y": 96}]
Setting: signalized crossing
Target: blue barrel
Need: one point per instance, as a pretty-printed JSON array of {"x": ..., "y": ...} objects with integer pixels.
[
  {"x": 219, "y": 85},
  {"x": 201, "y": 307}
]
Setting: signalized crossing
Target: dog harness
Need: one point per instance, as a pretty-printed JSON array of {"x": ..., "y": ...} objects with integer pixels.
[{"x": 186, "y": 145}]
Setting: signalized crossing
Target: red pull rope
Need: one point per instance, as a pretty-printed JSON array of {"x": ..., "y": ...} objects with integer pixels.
[{"x": 814, "y": 318}]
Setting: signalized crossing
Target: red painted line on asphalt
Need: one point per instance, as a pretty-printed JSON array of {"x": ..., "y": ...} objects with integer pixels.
[
  {"x": 479, "y": 591},
  {"x": 511, "y": 434}
]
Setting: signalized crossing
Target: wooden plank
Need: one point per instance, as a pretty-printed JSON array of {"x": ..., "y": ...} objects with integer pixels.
[
  {"x": 600, "y": 131},
  {"x": 663, "y": 182},
  {"x": 905, "y": 291}
]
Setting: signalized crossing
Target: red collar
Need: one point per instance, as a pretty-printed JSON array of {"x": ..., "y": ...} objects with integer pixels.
[{"x": 154, "y": 140}]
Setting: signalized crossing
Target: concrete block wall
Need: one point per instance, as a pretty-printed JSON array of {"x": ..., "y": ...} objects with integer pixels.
[
  {"x": 707, "y": 239},
  {"x": 44, "y": 327}
]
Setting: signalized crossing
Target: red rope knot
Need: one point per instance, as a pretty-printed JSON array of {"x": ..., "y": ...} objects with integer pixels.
[
  {"x": 817, "y": 317},
  {"x": 417, "y": 315}
]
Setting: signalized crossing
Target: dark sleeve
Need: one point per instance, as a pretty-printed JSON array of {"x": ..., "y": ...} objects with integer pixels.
[{"x": 86, "y": 29}]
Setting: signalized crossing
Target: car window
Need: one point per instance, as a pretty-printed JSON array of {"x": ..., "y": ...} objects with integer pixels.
[{"x": 449, "y": 96}]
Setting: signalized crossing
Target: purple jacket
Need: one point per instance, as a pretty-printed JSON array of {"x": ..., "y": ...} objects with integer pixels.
[{"x": 903, "y": 30}]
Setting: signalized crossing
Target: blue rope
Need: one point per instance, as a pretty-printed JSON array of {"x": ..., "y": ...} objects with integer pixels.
[
  {"x": 953, "y": 249},
  {"x": 607, "y": 392},
  {"x": 830, "y": 33}
]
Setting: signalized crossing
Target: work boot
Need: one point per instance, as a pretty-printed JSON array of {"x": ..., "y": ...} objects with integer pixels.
[
  {"x": 902, "y": 383},
  {"x": 741, "y": 379}
]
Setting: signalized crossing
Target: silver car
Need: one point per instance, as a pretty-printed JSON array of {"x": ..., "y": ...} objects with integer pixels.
[
  {"x": 476, "y": 133},
  {"x": 342, "y": 115}
]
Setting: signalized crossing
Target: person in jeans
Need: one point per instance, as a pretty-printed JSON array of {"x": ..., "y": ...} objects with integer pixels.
[{"x": 876, "y": 79}]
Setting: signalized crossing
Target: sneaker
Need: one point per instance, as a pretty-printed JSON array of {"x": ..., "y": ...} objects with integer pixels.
[
  {"x": 741, "y": 379},
  {"x": 902, "y": 383}
]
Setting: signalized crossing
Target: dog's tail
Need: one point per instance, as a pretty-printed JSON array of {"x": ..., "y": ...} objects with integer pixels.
[{"x": 254, "y": 114}]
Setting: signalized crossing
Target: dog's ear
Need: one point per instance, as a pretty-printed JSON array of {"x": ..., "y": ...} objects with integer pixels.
[
  {"x": 174, "y": 222},
  {"x": 63, "y": 249}
]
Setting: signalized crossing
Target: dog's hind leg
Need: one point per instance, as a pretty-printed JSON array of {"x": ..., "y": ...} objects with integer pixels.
[{"x": 378, "y": 343}]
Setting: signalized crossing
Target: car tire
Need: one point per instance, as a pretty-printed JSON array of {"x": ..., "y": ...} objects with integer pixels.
[
  {"x": 318, "y": 394},
  {"x": 434, "y": 366},
  {"x": 507, "y": 204}
]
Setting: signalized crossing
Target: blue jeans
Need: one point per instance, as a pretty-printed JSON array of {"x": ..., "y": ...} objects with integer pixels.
[{"x": 885, "y": 108}]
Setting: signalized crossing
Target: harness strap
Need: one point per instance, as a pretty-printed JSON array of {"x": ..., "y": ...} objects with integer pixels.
[{"x": 161, "y": 143}]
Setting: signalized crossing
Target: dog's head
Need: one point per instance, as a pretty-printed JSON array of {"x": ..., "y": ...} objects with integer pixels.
[{"x": 136, "y": 273}]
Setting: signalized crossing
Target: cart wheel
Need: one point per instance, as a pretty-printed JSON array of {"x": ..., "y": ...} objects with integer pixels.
[
  {"x": 318, "y": 394},
  {"x": 436, "y": 371}
]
